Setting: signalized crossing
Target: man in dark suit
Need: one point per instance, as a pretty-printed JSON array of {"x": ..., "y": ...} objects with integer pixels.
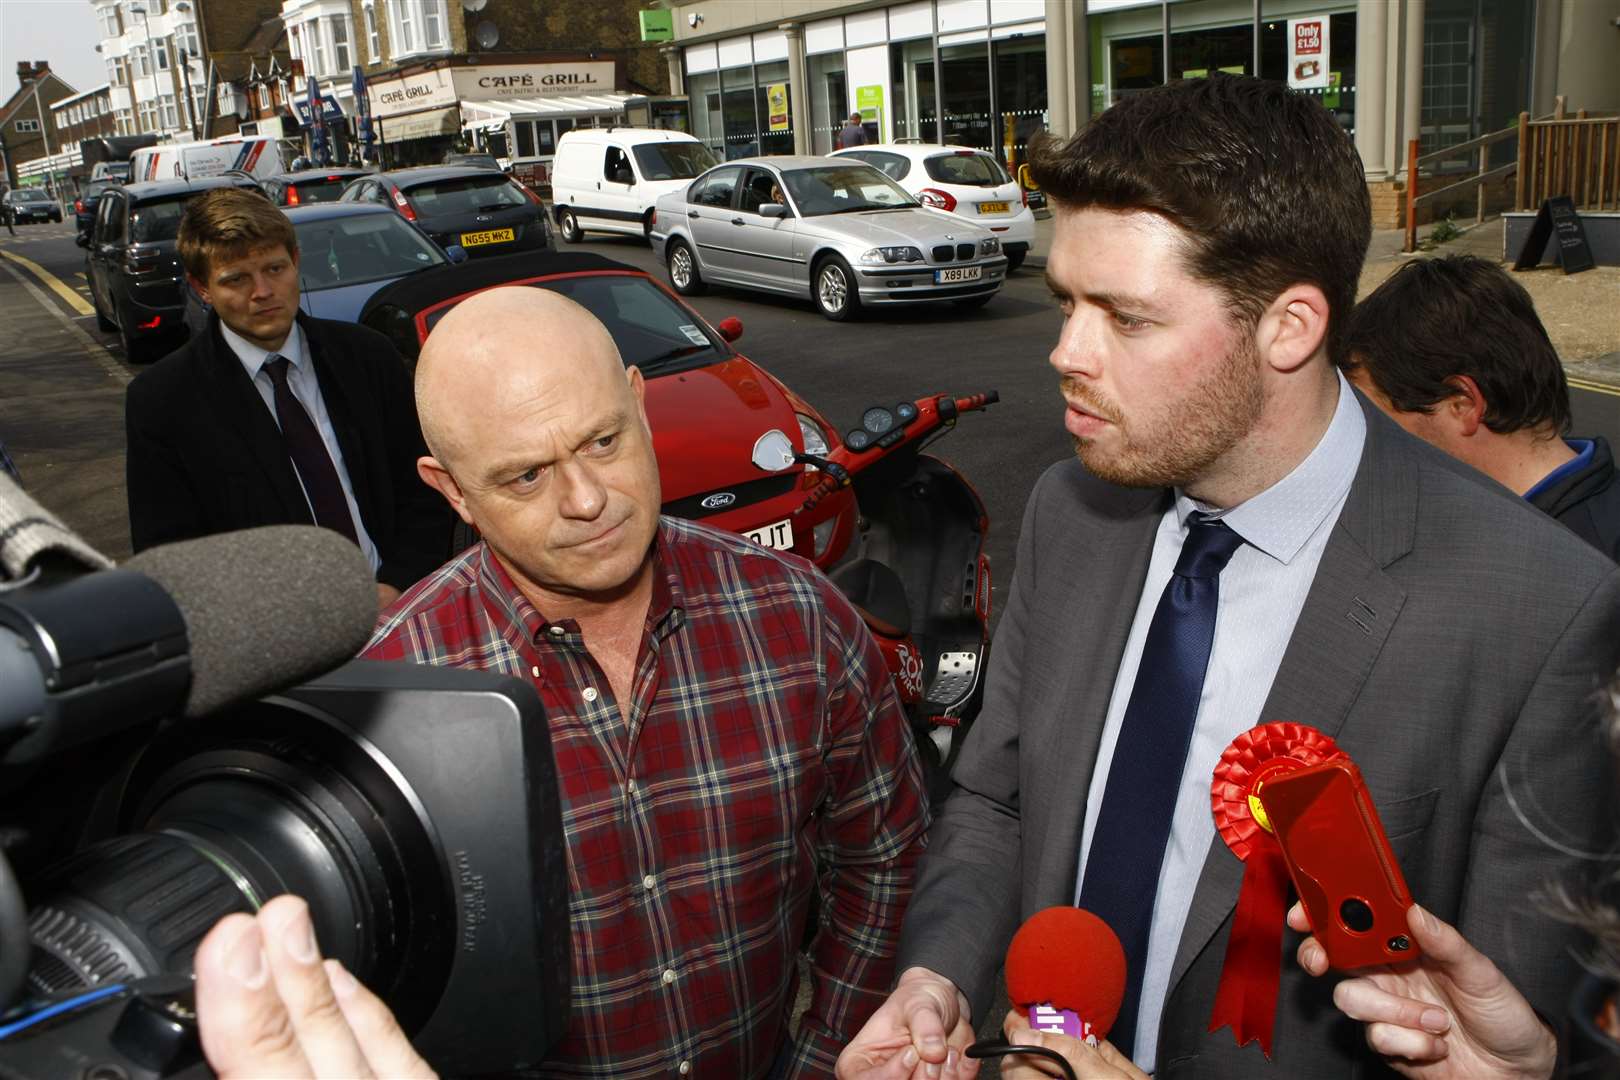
[
  {"x": 1243, "y": 539},
  {"x": 270, "y": 417}
]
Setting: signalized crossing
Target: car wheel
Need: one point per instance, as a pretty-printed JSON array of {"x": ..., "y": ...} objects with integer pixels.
[
  {"x": 973, "y": 303},
  {"x": 135, "y": 351},
  {"x": 1015, "y": 259},
  {"x": 683, "y": 271},
  {"x": 568, "y": 225},
  {"x": 834, "y": 289}
]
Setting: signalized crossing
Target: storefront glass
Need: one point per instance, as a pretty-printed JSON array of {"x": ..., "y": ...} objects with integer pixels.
[
  {"x": 829, "y": 100},
  {"x": 965, "y": 80},
  {"x": 911, "y": 80},
  {"x": 1020, "y": 95},
  {"x": 775, "y": 124}
]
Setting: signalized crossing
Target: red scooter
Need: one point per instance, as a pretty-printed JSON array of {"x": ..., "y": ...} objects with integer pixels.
[{"x": 916, "y": 568}]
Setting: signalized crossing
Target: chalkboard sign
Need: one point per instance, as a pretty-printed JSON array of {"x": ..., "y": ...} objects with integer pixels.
[{"x": 1557, "y": 219}]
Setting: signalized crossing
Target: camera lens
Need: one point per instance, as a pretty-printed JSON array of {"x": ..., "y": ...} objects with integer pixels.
[
  {"x": 1356, "y": 915},
  {"x": 216, "y": 821}
]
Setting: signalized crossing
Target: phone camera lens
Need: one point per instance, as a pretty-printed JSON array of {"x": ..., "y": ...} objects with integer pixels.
[
  {"x": 1356, "y": 915},
  {"x": 1399, "y": 943}
]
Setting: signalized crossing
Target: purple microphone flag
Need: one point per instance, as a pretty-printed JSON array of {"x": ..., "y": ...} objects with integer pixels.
[{"x": 1061, "y": 1022}]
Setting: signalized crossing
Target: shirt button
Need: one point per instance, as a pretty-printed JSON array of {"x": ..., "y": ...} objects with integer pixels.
[
  {"x": 535, "y": 671},
  {"x": 556, "y": 631},
  {"x": 686, "y": 1067},
  {"x": 669, "y": 976},
  {"x": 589, "y": 694},
  {"x": 649, "y": 882},
  {"x": 630, "y": 787}
]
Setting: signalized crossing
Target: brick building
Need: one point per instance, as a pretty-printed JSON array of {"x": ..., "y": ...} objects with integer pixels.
[
  {"x": 428, "y": 63},
  {"x": 27, "y": 133},
  {"x": 87, "y": 115}
]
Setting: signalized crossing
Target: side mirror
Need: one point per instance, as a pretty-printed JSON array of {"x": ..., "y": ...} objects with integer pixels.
[
  {"x": 456, "y": 254},
  {"x": 730, "y": 328},
  {"x": 772, "y": 210},
  {"x": 773, "y": 451}
]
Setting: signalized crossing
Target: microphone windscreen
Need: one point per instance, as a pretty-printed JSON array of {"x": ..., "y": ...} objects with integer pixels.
[
  {"x": 265, "y": 609},
  {"x": 1070, "y": 959}
]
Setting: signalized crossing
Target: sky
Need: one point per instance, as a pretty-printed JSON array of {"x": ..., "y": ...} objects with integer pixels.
[{"x": 63, "y": 32}]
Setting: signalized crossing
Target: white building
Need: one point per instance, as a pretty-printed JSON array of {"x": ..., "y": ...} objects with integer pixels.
[{"x": 152, "y": 52}]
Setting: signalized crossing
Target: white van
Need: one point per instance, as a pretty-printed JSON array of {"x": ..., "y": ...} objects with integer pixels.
[
  {"x": 607, "y": 179},
  {"x": 258, "y": 156}
]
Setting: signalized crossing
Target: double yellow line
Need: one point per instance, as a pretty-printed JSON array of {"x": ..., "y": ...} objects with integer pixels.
[
  {"x": 1596, "y": 388},
  {"x": 50, "y": 280}
]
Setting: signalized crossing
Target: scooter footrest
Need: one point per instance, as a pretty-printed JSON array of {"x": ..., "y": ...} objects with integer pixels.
[{"x": 954, "y": 679}]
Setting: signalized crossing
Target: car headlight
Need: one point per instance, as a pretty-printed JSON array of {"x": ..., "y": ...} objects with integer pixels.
[
  {"x": 991, "y": 246},
  {"x": 815, "y": 439},
  {"x": 892, "y": 255}
]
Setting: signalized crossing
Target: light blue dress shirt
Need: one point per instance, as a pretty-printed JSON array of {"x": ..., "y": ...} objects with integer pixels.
[
  {"x": 307, "y": 389},
  {"x": 1263, "y": 588}
]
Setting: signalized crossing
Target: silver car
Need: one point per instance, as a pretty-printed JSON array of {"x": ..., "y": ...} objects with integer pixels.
[{"x": 837, "y": 231}]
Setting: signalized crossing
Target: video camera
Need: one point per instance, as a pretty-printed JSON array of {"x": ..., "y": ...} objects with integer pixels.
[{"x": 414, "y": 808}]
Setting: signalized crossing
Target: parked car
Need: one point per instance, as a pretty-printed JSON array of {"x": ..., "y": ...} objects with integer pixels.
[
  {"x": 137, "y": 285},
  {"x": 346, "y": 253},
  {"x": 962, "y": 181},
  {"x": 31, "y": 204},
  {"x": 707, "y": 403},
  {"x": 309, "y": 185},
  {"x": 84, "y": 207},
  {"x": 476, "y": 161},
  {"x": 487, "y": 213},
  {"x": 837, "y": 231},
  {"x": 609, "y": 179}
]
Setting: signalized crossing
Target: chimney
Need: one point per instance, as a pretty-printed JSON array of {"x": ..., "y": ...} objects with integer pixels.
[{"x": 27, "y": 70}]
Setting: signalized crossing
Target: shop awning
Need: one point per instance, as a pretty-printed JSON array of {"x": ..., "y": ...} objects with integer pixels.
[
  {"x": 493, "y": 113},
  {"x": 422, "y": 125}
]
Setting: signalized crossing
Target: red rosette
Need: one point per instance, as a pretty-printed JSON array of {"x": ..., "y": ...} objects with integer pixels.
[{"x": 1247, "y": 996}]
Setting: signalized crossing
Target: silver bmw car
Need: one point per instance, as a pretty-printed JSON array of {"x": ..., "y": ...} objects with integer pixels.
[{"x": 835, "y": 230}]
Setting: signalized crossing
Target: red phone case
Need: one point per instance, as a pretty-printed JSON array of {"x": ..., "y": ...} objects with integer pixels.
[{"x": 1341, "y": 863}]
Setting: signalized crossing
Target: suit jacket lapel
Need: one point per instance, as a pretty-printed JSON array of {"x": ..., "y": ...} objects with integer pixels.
[
  {"x": 1107, "y": 598},
  {"x": 1342, "y": 628},
  {"x": 243, "y": 410}
]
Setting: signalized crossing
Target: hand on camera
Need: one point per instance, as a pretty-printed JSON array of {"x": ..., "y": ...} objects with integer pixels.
[
  {"x": 1103, "y": 1063},
  {"x": 268, "y": 1007},
  {"x": 1450, "y": 1013},
  {"x": 920, "y": 1031}
]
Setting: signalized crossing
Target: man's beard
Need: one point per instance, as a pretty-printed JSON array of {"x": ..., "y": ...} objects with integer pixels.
[{"x": 1175, "y": 445}]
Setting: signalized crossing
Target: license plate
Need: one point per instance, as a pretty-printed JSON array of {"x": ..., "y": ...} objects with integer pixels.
[
  {"x": 778, "y": 535},
  {"x": 992, "y": 208},
  {"x": 958, "y": 273},
  {"x": 492, "y": 236}
]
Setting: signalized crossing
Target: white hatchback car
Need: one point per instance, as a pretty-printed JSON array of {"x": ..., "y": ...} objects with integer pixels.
[{"x": 961, "y": 180}]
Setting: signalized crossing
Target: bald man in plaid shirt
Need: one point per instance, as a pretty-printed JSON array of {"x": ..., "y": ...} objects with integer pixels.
[{"x": 727, "y": 738}]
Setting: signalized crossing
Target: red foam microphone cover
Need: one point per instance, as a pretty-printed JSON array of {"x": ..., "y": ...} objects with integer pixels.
[{"x": 1070, "y": 959}]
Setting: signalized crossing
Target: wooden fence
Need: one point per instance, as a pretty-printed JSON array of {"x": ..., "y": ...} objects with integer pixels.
[{"x": 1577, "y": 156}]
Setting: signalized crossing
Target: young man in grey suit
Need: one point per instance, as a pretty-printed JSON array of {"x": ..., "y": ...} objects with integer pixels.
[{"x": 1243, "y": 539}]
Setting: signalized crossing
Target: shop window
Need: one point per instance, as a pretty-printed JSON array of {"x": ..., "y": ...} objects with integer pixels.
[
  {"x": 1020, "y": 65},
  {"x": 704, "y": 92},
  {"x": 829, "y": 100},
  {"x": 776, "y": 122},
  {"x": 545, "y": 144},
  {"x": 523, "y": 136},
  {"x": 965, "y": 80},
  {"x": 737, "y": 113}
]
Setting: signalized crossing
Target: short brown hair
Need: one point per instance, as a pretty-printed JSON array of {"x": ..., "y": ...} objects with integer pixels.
[
  {"x": 1265, "y": 184},
  {"x": 228, "y": 223}
]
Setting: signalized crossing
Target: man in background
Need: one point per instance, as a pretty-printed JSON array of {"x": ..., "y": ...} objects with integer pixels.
[
  {"x": 269, "y": 417},
  {"x": 853, "y": 132},
  {"x": 1452, "y": 349}
]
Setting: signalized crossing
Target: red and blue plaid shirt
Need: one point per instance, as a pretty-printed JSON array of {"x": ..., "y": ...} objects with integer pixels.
[{"x": 765, "y": 756}]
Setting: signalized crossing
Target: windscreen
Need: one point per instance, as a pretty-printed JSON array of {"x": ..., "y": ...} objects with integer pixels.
[
  {"x": 465, "y": 195},
  {"x": 324, "y": 189},
  {"x": 673, "y": 160},
  {"x": 843, "y": 189},
  {"x": 158, "y": 219},
  {"x": 367, "y": 247},
  {"x": 971, "y": 170},
  {"x": 95, "y": 188},
  {"x": 653, "y": 332},
  {"x": 30, "y": 195}
]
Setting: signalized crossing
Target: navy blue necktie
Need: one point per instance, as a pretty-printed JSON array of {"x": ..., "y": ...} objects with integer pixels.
[
  {"x": 308, "y": 452},
  {"x": 1133, "y": 825}
]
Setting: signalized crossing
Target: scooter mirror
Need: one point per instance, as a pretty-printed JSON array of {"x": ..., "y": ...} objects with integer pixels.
[{"x": 773, "y": 451}]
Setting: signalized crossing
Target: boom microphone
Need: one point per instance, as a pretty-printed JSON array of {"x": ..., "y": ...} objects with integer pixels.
[
  {"x": 1066, "y": 972},
  {"x": 264, "y": 608},
  {"x": 181, "y": 629}
]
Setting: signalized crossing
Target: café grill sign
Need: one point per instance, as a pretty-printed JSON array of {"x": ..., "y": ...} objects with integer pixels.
[{"x": 489, "y": 82}]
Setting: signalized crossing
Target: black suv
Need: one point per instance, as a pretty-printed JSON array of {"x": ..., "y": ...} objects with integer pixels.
[
  {"x": 485, "y": 212},
  {"x": 309, "y": 185},
  {"x": 136, "y": 282}
]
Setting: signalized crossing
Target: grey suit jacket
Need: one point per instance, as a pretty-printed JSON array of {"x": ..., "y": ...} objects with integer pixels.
[{"x": 1452, "y": 643}]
